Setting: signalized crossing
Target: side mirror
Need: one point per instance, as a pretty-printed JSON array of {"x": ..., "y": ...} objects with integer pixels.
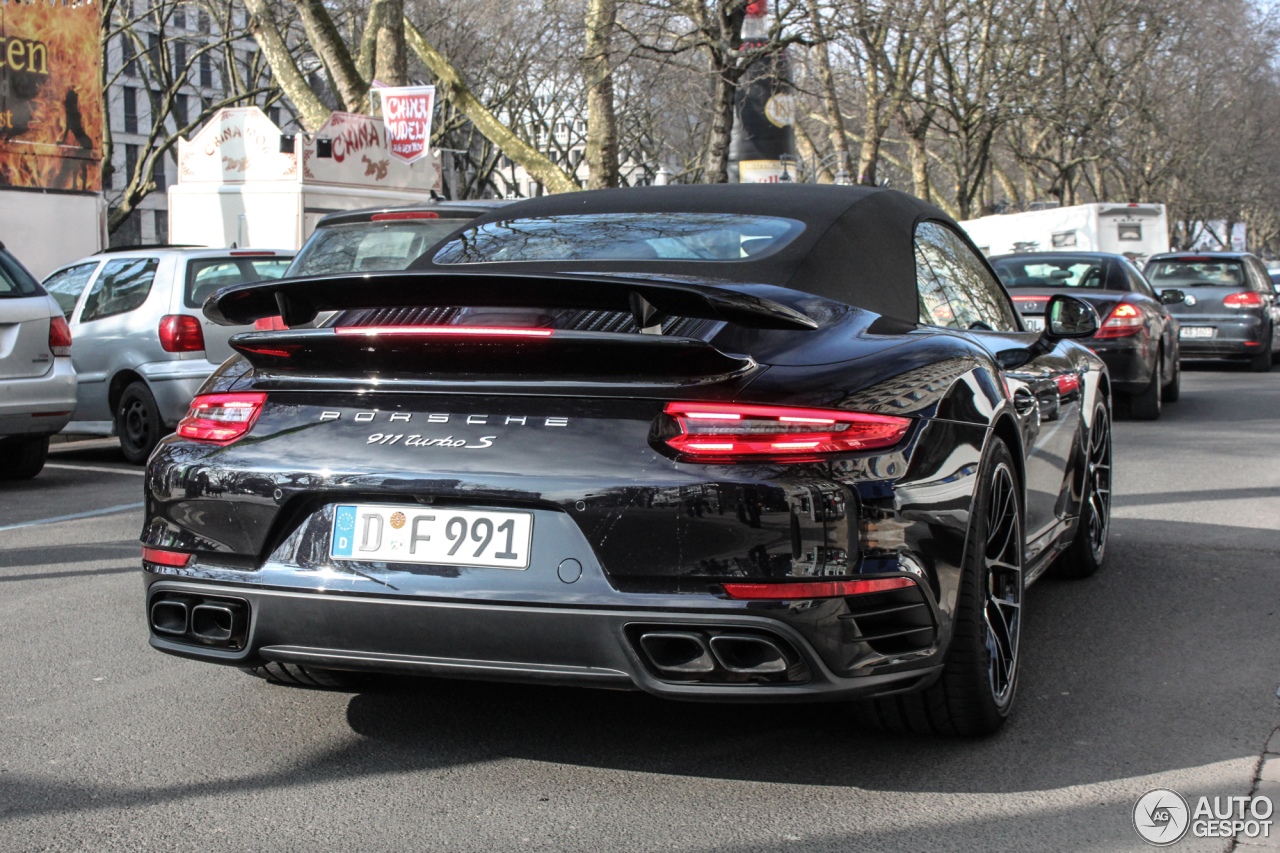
[
  {"x": 1172, "y": 297},
  {"x": 1069, "y": 317}
]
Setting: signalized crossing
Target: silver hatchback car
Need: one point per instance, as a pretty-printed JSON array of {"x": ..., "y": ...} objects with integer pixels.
[
  {"x": 142, "y": 347},
  {"x": 37, "y": 382}
]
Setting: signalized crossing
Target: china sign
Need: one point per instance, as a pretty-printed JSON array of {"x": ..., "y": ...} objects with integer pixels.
[
  {"x": 50, "y": 95},
  {"x": 406, "y": 112}
]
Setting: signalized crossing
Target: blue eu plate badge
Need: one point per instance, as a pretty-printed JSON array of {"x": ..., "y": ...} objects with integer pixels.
[{"x": 344, "y": 530}]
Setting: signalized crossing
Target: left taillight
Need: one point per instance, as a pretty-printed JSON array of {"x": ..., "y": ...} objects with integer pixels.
[
  {"x": 181, "y": 333},
  {"x": 221, "y": 418},
  {"x": 1124, "y": 320},
  {"x": 732, "y": 433},
  {"x": 59, "y": 336}
]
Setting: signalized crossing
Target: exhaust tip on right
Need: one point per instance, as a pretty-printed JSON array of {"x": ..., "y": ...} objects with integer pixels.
[{"x": 748, "y": 655}]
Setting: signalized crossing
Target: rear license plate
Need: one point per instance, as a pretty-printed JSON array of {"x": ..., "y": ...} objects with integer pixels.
[
  {"x": 1198, "y": 332},
  {"x": 440, "y": 536},
  {"x": 1034, "y": 324}
]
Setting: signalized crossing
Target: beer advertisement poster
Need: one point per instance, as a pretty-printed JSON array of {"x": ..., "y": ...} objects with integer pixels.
[{"x": 50, "y": 95}]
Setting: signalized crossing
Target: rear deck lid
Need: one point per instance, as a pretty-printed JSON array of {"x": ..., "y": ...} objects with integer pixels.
[{"x": 24, "y": 323}]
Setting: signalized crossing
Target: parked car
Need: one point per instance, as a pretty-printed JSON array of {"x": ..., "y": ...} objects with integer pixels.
[
  {"x": 1138, "y": 339},
  {"x": 1230, "y": 309},
  {"x": 37, "y": 380},
  {"x": 142, "y": 347},
  {"x": 734, "y": 443}
]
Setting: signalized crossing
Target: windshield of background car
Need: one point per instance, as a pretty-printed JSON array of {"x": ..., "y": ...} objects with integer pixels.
[
  {"x": 1060, "y": 272},
  {"x": 15, "y": 281},
  {"x": 207, "y": 275},
  {"x": 361, "y": 246},
  {"x": 1225, "y": 272},
  {"x": 622, "y": 237}
]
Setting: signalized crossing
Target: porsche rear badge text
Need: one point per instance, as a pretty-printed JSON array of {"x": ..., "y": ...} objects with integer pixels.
[
  {"x": 389, "y": 438},
  {"x": 441, "y": 418}
]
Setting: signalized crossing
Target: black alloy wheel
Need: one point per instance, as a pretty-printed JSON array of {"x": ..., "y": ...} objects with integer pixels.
[
  {"x": 1085, "y": 554},
  {"x": 138, "y": 423},
  {"x": 1173, "y": 390},
  {"x": 1261, "y": 363},
  {"x": 1146, "y": 404},
  {"x": 975, "y": 692}
]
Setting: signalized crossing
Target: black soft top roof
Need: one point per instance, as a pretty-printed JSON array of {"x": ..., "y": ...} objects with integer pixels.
[{"x": 857, "y": 245}]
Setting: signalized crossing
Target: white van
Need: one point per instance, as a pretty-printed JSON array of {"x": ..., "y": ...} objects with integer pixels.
[{"x": 1136, "y": 231}]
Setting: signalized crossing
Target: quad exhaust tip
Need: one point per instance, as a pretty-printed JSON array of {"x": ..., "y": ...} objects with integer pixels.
[
  {"x": 200, "y": 620},
  {"x": 708, "y": 656},
  {"x": 748, "y": 655},
  {"x": 170, "y": 617}
]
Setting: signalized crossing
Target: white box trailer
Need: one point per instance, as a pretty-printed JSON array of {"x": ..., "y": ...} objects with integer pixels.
[
  {"x": 1137, "y": 231},
  {"x": 236, "y": 186},
  {"x": 45, "y": 230}
]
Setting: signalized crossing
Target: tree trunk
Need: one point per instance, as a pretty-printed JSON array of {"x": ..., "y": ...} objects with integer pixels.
[
  {"x": 602, "y": 127},
  {"x": 392, "y": 64},
  {"x": 327, "y": 42},
  {"x": 451, "y": 88},
  {"x": 311, "y": 112},
  {"x": 872, "y": 133},
  {"x": 717, "y": 168},
  {"x": 830, "y": 102}
]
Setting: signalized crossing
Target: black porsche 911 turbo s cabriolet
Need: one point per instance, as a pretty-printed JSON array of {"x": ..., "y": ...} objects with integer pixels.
[{"x": 732, "y": 443}]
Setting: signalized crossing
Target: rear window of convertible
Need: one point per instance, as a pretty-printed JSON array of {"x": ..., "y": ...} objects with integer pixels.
[{"x": 622, "y": 237}]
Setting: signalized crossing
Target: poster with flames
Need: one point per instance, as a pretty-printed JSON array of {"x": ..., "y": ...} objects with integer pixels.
[{"x": 50, "y": 95}]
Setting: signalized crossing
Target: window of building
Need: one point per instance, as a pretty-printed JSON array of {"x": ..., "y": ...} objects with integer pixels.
[
  {"x": 129, "y": 56},
  {"x": 162, "y": 226},
  {"x": 273, "y": 113},
  {"x": 180, "y": 113},
  {"x": 155, "y": 105},
  {"x": 202, "y": 22},
  {"x": 130, "y": 162},
  {"x": 180, "y": 18},
  {"x": 206, "y": 71},
  {"x": 130, "y": 109},
  {"x": 180, "y": 59},
  {"x": 157, "y": 174},
  {"x": 153, "y": 50}
]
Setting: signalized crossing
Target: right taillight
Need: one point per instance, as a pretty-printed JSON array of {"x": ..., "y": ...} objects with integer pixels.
[
  {"x": 269, "y": 324},
  {"x": 181, "y": 333},
  {"x": 59, "y": 336},
  {"x": 221, "y": 418},
  {"x": 1124, "y": 320},
  {"x": 1248, "y": 299},
  {"x": 735, "y": 433}
]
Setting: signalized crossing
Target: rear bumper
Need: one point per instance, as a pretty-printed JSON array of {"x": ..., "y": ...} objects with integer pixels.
[
  {"x": 25, "y": 402},
  {"x": 560, "y": 644},
  {"x": 1243, "y": 336},
  {"x": 174, "y": 384},
  {"x": 1129, "y": 362}
]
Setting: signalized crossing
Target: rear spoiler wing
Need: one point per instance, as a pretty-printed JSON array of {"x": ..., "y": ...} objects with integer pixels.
[{"x": 299, "y": 300}]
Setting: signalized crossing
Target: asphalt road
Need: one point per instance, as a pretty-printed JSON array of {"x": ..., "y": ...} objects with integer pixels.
[{"x": 1160, "y": 671}]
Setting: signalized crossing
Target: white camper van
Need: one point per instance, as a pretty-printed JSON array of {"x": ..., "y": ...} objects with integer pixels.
[{"x": 1136, "y": 231}]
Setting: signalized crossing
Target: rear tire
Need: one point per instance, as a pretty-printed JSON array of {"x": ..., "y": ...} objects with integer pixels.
[
  {"x": 23, "y": 458},
  {"x": 974, "y": 693},
  {"x": 1261, "y": 363},
  {"x": 1085, "y": 554},
  {"x": 138, "y": 423},
  {"x": 1173, "y": 390},
  {"x": 295, "y": 675},
  {"x": 1145, "y": 405}
]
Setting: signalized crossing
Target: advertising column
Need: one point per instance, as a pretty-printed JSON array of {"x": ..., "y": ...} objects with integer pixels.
[
  {"x": 764, "y": 110},
  {"x": 50, "y": 131}
]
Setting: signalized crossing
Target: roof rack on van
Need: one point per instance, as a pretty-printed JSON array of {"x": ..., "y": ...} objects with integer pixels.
[{"x": 111, "y": 249}]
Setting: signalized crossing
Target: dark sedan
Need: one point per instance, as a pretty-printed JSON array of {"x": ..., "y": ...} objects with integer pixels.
[
  {"x": 1230, "y": 305},
  {"x": 722, "y": 443},
  {"x": 1138, "y": 339}
]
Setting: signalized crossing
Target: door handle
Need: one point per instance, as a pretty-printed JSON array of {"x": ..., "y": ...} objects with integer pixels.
[{"x": 1024, "y": 401}]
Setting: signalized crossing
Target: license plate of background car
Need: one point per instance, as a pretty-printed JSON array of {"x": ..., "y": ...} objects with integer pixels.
[
  {"x": 442, "y": 536},
  {"x": 1198, "y": 332},
  {"x": 1034, "y": 324}
]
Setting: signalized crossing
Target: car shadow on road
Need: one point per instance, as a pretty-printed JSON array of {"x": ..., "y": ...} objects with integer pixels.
[{"x": 1128, "y": 673}]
